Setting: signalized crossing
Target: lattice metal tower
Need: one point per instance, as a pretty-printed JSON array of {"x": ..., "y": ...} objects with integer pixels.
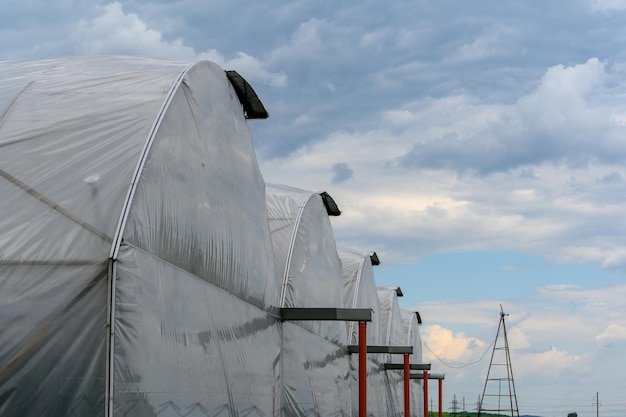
[{"x": 499, "y": 392}]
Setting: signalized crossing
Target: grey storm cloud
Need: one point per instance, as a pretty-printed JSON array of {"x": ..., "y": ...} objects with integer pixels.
[{"x": 564, "y": 120}]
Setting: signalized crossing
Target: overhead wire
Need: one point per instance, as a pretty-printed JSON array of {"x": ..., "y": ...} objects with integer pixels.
[{"x": 449, "y": 365}]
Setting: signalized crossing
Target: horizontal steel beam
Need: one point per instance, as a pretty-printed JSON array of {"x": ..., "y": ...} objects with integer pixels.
[
  {"x": 430, "y": 376},
  {"x": 393, "y": 350},
  {"x": 326, "y": 314},
  {"x": 412, "y": 366}
]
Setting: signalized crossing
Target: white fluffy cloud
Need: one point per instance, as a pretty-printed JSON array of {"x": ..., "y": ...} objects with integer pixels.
[
  {"x": 115, "y": 32},
  {"x": 445, "y": 345},
  {"x": 550, "y": 164},
  {"x": 613, "y": 332},
  {"x": 560, "y": 335},
  {"x": 248, "y": 66},
  {"x": 564, "y": 120}
]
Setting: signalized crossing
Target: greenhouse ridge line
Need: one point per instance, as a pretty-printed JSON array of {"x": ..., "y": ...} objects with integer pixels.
[{"x": 143, "y": 156}]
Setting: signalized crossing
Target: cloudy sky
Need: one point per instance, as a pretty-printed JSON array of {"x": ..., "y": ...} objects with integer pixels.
[{"x": 478, "y": 147}]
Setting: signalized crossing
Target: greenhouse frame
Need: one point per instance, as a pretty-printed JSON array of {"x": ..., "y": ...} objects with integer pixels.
[{"x": 144, "y": 261}]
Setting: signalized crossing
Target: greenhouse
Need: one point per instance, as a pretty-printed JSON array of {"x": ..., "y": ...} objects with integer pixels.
[
  {"x": 411, "y": 321},
  {"x": 144, "y": 261},
  {"x": 315, "y": 373}
]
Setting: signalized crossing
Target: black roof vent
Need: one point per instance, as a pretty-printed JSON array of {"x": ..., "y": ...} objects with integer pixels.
[
  {"x": 374, "y": 258},
  {"x": 252, "y": 106},
  {"x": 331, "y": 207}
]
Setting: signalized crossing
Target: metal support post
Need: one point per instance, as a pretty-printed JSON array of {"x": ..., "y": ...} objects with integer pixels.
[
  {"x": 407, "y": 382},
  {"x": 425, "y": 393},
  {"x": 362, "y": 369},
  {"x": 440, "y": 397}
]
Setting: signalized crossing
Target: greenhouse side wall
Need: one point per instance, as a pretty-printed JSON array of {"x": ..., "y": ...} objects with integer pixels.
[
  {"x": 315, "y": 360},
  {"x": 411, "y": 330},
  {"x": 52, "y": 340},
  {"x": 70, "y": 134},
  {"x": 393, "y": 334},
  {"x": 195, "y": 275},
  {"x": 316, "y": 375},
  {"x": 360, "y": 292},
  {"x": 185, "y": 346}
]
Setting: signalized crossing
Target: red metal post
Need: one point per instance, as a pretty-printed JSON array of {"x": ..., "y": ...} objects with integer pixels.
[
  {"x": 407, "y": 392},
  {"x": 440, "y": 397},
  {"x": 425, "y": 393},
  {"x": 362, "y": 369}
]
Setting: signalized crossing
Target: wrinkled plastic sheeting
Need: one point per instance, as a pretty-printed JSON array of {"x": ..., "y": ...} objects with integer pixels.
[
  {"x": 413, "y": 338},
  {"x": 71, "y": 132},
  {"x": 360, "y": 292},
  {"x": 316, "y": 371},
  {"x": 305, "y": 255},
  {"x": 392, "y": 329},
  {"x": 412, "y": 334},
  {"x": 182, "y": 344},
  {"x": 52, "y": 339},
  {"x": 316, "y": 375},
  {"x": 200, "y": 202},
  {"x": 196, "y": 273},
  {"x": 391, "y": 324},
  {"x": 376, "y": 389}
]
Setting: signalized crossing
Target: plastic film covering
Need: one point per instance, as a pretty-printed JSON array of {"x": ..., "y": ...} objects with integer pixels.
[
  {"x": 71, "y": 131},
  {"x": 360, "y": 292},
  {"x": 191, "y": 293},
  {"x": 52, "y": 340},
  {"x": 305, "y": 255},
  {"x": 413, "y": 338},
  {"x": 392, "y": 329},
  {"x": 184, "y": 347},
  {"x": 392, "y": 326},
  {"x": 316, "y": 375},
  {"x": 200, "y": 201},
  {"x": 315, "y": 363},
  {"x": 70, "y": 135}
]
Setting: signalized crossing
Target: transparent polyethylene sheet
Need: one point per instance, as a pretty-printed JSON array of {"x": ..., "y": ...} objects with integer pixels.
[
  {"x": 52, "y": 340},
  {"x": 71, "y": 132},
  {"x": 411, "y": 329},
  {"x": 305, "y": 255},
  {"x": 391, "y": 324},
  {"x": 195, "y": 289},
  {"x": 413, "y": 337},
  {"x": 376, "y": 396},
  {"x": 183, "y": 345},
  {"x": 200, "y": 201},
  {"x": 359, "y": 291},
  {"x": 392, "y": 332},
  {"x": 316, "y": 375}
]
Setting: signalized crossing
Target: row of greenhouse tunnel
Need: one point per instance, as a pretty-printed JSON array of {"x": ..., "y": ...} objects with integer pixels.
[{"x": 144, "y": 260}]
